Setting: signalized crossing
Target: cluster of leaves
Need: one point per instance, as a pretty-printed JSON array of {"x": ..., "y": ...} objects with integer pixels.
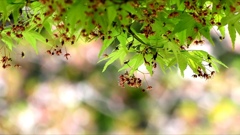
[{"x": 149, "y": 32}]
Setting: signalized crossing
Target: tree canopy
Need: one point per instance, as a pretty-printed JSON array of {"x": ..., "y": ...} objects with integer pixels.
[{"x": 156, "y": 33}]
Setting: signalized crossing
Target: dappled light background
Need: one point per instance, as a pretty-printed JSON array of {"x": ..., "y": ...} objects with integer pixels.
[{"x": 52, "y": 95}]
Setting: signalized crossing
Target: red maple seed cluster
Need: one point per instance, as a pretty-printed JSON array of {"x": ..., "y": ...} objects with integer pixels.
[
  {"x": 58, "y": 51},
  {"x": 16, "y": 29},
  {"x": 148, "y": 88},
  {"x": 197, "y": 42},
  {"x": 6, "y": 62},
  {"x": 131, "y": 81},
  {"x": 203, "y": 74}
]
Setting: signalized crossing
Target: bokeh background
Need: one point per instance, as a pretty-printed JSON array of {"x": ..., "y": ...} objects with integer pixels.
[{"x": 52, "y": 95}]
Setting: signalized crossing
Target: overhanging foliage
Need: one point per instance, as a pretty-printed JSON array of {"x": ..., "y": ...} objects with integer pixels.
[{"x": 149, "y": 32}]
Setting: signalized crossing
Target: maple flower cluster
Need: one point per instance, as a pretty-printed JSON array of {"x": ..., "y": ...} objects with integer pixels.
[{"x": 131, "y": 81}]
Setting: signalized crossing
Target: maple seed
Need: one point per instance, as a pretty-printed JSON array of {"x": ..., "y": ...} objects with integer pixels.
[
  {"x": 182, "y": 47},
  {"x": 195, "y": 76},
  {"x": 126, "y": 62},
  {"x": 149, "y": 87},
  {"x": 208, "y": 57},
  {"x": 49, "y": 52},
  {"x": 200, "y": 41},
  {"x": 219, "y": 23},
  {"x": 23, "y": 54},
  {"x": 196, "y": 42},
  {"x": 17, "y": 66},
  {"x": 154, "y": 65},
  {"x": 4, "y": 66},
  {"x": 56, "y": 35},
  {"x": 232, "y": 9},
  {"x": 190, "y": 38},
  {"x": 66, "y": 55},
  {"x": 105, "y": 55},
  {"x": 210, "y": 64},
  {"x": 173, "y": 14},
  {"x": 212, "y": 73},
  {"x": 8, "y": 33}
]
